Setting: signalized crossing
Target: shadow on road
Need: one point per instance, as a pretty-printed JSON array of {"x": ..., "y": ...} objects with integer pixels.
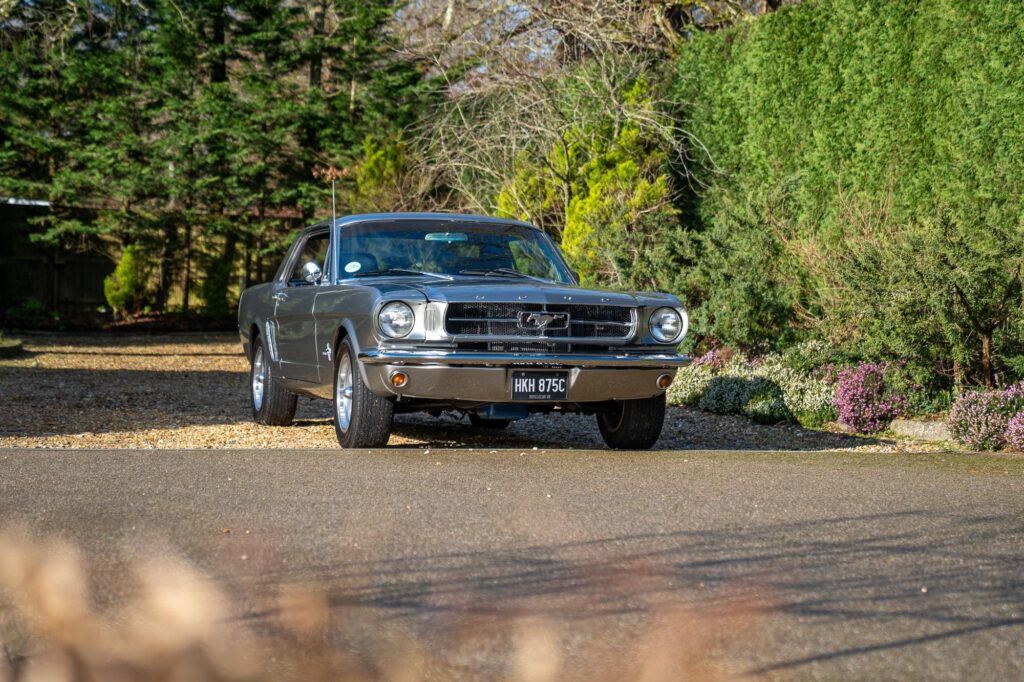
[{"x": 869, "y": 581}]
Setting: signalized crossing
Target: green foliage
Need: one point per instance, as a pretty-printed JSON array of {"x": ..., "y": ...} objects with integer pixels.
[
  {"x": 215, "y": 289},
  {"x": 811, "y": 356},
  {"x": 539, "y": 191},
  {"x": 933, "y": 289},
  {"x": 925, "y": 393},
  {"x": 379, "y": 176},
  {"x": 867, "y": 184},
  {"x": 126, "y": 287},
  {"x": 612, "y": 181},
  {"x": 165, "y": 124},
  {"x": 27, "y": 312},
  {"x": 747, "y": 281}
]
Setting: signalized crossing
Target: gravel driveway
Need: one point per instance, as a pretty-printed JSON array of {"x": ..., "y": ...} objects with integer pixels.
[{"x": 190, "y": 391}]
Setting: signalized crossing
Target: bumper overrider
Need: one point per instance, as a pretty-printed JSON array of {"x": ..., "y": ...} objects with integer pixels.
[{"x": 486, "y": 377}]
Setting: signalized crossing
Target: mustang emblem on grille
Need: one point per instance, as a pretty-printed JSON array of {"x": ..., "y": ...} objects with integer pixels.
[{"x": 543, "y": 321}]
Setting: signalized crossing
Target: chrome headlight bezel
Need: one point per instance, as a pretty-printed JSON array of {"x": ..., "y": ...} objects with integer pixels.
[
  {"x": 656, "y": 324},
  {"x": 386, "y": 319}
]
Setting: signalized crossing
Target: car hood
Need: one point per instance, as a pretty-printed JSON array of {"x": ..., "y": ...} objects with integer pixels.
[{"x": 493, "y": 289}]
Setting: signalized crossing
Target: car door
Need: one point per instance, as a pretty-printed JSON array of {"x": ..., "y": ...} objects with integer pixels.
[{"x": 293, "y": 312}]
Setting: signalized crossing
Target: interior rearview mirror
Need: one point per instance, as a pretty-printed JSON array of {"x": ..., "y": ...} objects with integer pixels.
[{"x": 311, "y": 272}]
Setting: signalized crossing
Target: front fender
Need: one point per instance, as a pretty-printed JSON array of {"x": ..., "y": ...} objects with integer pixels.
[
  {"x": 330, "y": 330},
  {"x": 347, "y": 311}
]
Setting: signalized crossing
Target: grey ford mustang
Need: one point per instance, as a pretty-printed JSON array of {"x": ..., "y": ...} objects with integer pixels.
[{"x": 436, "y": 312}]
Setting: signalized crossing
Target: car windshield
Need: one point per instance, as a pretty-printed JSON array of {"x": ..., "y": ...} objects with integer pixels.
[{"x": 449, "y": 248}]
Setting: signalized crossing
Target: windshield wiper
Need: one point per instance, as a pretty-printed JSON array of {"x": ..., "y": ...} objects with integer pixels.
[
  {"x": 502, "y": 272},
  {"x": 398, "y": 271}
]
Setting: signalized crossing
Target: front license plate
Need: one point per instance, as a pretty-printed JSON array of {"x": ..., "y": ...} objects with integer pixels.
[{"x": 540, "y": 385}]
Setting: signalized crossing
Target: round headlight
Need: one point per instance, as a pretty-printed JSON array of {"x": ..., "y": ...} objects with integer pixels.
[
  {"x": 396, "y": 319},
  {"x": 666, "y": 325}
]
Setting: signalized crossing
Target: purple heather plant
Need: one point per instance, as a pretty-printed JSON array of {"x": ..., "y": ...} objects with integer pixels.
[
  {"x": 863, "y": 401},
  {"x": 715, "y": 359},
  {"x": 1015, "y": 432},
  {"x": 828, "y": 373},
  {"x": 978, "y": 420},
  {"x": 1015, "y": 390},
  {"x": 1013, "y": 398}
]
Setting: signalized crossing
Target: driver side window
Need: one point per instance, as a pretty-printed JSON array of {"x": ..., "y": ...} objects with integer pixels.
[{"x": 315, "y": 251}]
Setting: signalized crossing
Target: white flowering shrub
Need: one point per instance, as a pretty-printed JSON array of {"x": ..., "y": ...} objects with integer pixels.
[
  {"x": 767, "y": 405},
  {"x": 805, "y": 393},
  {"x": 689, "y": 385},
  {"x": 726, "y": 395},
  {"x": 766, "y": 389},
  {"x": 754, "y": 396}
]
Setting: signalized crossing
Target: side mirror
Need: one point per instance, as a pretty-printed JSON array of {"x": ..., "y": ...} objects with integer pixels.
[{"x": 311, "y": 272}]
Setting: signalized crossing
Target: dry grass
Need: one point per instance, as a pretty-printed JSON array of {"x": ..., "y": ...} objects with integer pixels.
[{"x": 180, "y": 624}]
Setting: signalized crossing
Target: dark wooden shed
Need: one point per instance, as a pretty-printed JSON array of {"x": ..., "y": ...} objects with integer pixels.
[{"x": 62, "y": 280}]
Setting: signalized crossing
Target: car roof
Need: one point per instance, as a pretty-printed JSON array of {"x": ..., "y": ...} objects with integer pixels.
[{"x": 453, "y": 217}]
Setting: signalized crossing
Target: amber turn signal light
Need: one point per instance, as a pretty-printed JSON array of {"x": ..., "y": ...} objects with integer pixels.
[
  {"x": 399, "y": 379},
  {"x": 664, "y": 381}
]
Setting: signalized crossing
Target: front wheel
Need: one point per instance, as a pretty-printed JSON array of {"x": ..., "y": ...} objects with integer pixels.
[
  {"x": 633, "y": 424},
  {"x": 362, "y": 419}
]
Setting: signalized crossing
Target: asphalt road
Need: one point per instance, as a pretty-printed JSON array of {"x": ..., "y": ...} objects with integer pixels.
[{"x": 850, "y": 566}]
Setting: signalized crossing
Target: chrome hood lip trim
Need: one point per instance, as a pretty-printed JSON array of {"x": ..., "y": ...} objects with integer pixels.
[
  {"x": 441, "y": 357},
  {"x": 466, "y": 289},
  {"x": 516, "y": 292}
]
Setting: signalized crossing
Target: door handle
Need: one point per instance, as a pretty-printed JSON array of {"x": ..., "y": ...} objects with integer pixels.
[{"x": 280, "y": 296}]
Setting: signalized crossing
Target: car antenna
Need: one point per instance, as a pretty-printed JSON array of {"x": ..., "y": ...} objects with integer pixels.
[
  {"x": 322, "y": 173},
  {"x": 332, "y": 173}
]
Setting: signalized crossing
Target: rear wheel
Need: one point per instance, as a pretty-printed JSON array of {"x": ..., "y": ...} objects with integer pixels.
[
  {"x": 484, "y": 423},
  {"x": 362, "y": 419},
  {"x": 271, "y": 403},
  {"x": 633, "y": 424}
]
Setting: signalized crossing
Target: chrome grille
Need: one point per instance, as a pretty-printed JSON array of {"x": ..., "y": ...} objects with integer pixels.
[{"x": 503, "y": 319}]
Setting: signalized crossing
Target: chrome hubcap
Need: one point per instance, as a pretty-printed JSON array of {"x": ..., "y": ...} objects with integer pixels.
[
  {"x": 343, "y": 392},
  {"x": 259, "y": 378}
]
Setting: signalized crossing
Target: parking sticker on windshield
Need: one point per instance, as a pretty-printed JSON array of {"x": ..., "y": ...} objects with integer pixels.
[{"x": 354, "y": 266}]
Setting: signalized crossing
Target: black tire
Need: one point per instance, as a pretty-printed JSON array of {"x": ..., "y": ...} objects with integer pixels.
[
  {"x": 276, "y": 407},
  {"x": 483, "y": 423},
  {"x": 633, "y": 424},
  {"x": 369, "y": 424}
]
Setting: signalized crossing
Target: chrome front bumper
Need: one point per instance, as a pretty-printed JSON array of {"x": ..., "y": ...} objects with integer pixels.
[
  {"x": 486, "y": 377},
  {"x": 460, "y": 358}
]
